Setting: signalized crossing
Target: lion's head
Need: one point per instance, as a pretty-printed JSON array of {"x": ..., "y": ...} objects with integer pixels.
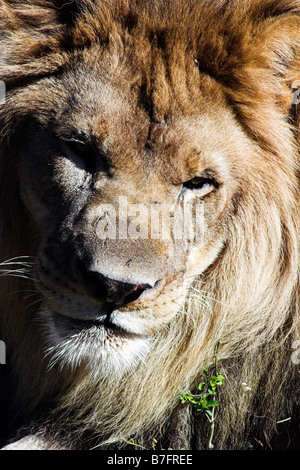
[{"x": 149, "y": 172}]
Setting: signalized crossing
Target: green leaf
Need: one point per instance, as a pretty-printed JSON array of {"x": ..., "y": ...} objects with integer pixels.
[
  {"x": 220, "y": 379},
  {"x": 212, "y": 403},
  {"x": 201, "y": 386},
  {"x": 204, "y": 402}
]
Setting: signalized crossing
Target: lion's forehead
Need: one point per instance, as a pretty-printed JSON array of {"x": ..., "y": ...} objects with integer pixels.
[{"x": 173, "y": 142}]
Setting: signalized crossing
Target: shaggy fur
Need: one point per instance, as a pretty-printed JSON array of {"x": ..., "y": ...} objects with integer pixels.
[{"x": 199, "y": 66}]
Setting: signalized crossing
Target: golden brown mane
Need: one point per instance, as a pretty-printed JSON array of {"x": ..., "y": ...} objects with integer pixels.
[{"x": 252, "y": 49}]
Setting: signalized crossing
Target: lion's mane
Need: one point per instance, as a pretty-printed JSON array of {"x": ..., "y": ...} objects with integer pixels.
[{"x": 248, "y": 300}]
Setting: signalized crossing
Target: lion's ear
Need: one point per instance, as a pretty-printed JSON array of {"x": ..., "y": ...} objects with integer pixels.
[{"x": 281, "y": 50}]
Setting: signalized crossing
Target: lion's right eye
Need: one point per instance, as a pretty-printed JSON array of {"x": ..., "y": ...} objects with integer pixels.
[
  {"x": 86, "y": 156},
  {"x": 84, "y": 152},
  {"x": 79, "y": 147}
]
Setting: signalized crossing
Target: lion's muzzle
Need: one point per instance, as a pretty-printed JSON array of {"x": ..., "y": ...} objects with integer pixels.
[{"x": 111, "y": 291}]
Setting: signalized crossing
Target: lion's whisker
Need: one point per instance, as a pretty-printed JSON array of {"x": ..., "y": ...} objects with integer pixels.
[
  {"x": 19, "y": 259},
  {"x": 20, "y": 276},
  {"x": 207, "y": 295}
]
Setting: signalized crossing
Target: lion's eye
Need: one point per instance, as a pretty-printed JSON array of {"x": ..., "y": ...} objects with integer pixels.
[
  {"x": 85, "y": 152},
  {"x": 79, "y": 147},
  {"x": 201, "y": 183},
  {"x": 82, "y": 154}
]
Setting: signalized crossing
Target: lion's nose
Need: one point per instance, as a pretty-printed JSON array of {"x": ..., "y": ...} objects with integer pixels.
[
  {"x": 111, "y": 290},
  {"x": 120, "y": 293}
]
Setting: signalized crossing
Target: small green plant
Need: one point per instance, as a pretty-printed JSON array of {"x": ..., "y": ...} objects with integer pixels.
[
  {"x": 133, "y": 443},
  {"x": 154, "y": 444},
  {"x": 205, "y": 401},
  {"x": 153, "y": 447}
]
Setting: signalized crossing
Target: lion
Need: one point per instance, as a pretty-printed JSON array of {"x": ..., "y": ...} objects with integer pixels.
[{"x": 150, "y": 210}]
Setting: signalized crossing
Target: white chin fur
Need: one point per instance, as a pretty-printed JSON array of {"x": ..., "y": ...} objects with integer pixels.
[{"x": 104, "y": 353}]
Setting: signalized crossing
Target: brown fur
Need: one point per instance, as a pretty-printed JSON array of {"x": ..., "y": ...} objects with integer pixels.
[{"x": 248, "y": 57}]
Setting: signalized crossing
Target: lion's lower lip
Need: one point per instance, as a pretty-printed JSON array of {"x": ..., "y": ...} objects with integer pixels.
[
  {"x": 99, "y": 315},
  {"x": 102, "y": 322}
]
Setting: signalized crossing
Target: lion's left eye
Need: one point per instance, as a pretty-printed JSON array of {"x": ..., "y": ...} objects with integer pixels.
[{"x": 201, "y": 183}]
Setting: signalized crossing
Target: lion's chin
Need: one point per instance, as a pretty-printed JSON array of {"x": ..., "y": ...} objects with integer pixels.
[{"x": 103, "y": 348}]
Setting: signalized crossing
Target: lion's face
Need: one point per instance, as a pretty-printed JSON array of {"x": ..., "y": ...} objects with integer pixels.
[{"x": 131, "y": 204}]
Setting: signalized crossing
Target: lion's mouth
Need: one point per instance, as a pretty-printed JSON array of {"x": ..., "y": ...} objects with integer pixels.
[
  {"x": 102, "y": 322},
  {"x": 106, "y": 348},
  {"x": 105, "y": 323},
  {"x": 74, "y": 312}
]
